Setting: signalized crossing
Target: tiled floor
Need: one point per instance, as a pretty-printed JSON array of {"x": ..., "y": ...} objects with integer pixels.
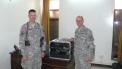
[{"x": 97, "y": 67}]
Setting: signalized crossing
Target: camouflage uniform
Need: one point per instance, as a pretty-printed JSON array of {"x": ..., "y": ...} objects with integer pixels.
[
  {"x": 84, "y": 47},
  {"x": 34, "y": 50}
]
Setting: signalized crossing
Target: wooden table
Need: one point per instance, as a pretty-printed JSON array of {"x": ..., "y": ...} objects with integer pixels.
[
  {"x": 49, "y": 63},
  {"x": 15, "y": 61}
]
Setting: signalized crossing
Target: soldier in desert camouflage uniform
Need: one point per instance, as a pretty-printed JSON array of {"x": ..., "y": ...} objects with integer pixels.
[
  {"x": 84, "y": 46},
  {"x": 32, "y": 54}
]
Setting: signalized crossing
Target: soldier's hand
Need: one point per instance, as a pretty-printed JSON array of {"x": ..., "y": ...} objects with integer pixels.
[
  {"x": 87, "y": 60},
  {"x": 25, "y": 58},
  {"x": 42, "y": 54}
]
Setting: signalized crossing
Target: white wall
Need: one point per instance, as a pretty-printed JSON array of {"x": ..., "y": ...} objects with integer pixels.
[
  {"x": 13, "y": 13},
  {"x": 98, "y": 16},
  {"x": 118, "y": 4},
  {"x": 54, "y": 4}
]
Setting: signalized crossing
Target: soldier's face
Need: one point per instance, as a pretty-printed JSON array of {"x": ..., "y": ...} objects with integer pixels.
[
  {"x": 32, "y": 16},
  {"x": 79, "y": 21}
]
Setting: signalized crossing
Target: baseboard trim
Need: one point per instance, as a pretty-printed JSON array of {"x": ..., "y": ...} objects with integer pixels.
[{"x": 101, "y": 65}]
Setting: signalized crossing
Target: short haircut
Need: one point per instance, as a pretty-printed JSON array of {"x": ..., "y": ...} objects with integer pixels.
[
  {"x": 80, "y": 17},
  {"x": 31, "y": 10}
]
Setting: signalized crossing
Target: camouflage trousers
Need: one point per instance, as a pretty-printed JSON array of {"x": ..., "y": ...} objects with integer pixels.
[
  {"x": 79, "y": 62},
  {"x": 33, "y": 63}
]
